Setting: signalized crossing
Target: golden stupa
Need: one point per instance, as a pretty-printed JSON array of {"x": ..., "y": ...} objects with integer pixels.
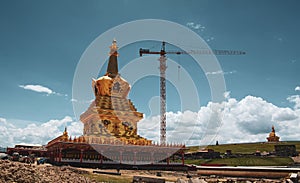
[
  {"x": 272, "y": 136},
  {"x": 110, "y": 130},
  {"x": 112, "y": 117}
]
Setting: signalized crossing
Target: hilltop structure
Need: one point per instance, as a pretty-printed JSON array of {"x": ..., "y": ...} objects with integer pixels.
[
  {"x": 272, "y": 136},
  {"x": 110, "y": 129}
]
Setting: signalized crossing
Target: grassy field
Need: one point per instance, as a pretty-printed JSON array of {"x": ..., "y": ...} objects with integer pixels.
[
  {"x": 254, "y": 161},
  {"x": 246, "y": 148},
  {"x": 244, "y": 161},
  {"x": 109, "y": 178}
]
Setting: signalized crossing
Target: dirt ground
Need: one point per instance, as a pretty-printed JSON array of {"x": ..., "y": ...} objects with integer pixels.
[
  {"x": 11, "y": 171},
  {"x": 296, "y": 159},
  {"x": 26, "y": 173},
  {"x": 171, "y": 176},
  {"x": 16, "y": 172}
]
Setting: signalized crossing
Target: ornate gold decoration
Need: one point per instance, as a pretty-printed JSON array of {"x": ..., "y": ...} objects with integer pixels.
[
  {"x": 115, "y": 87},
  {"x": 111, "y": 117},
  {"x": 102, "y": 86}
]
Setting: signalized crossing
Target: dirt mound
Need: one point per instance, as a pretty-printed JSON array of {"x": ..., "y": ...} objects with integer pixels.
[{"x": 25, "y": 173}]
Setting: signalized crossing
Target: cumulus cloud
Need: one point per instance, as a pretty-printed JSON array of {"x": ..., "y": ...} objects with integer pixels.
[
  {"x": 37, "y": 133},
  {"x": 285, "y": 114},
  {"x": 3, "y": 122},
  {"x": 295, "y": 99},
  {"x": 186, "y": 127},
  {"x": 227, "y": 94},
  {"x": 233, "y": 121},
  {"x": 41, "y": 89},
  {"x": 297, "y": 88}
]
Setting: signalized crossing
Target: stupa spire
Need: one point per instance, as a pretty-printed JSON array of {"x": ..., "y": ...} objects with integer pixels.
[
  {"x": 113, "y": 48},
  {"x": 112, "y": 67},
  {"x": 273, "y": 128}
]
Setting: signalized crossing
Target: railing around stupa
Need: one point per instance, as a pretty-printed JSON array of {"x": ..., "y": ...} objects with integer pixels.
[
  {"x": 117, "y": 141},
  {"x": 97, "y": 161}
]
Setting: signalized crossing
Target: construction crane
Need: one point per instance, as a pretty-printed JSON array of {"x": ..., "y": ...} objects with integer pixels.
[{"x": 163, "y": 67}]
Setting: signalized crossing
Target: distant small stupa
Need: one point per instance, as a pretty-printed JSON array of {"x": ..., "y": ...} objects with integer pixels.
[{"x": 272, "y": 136}]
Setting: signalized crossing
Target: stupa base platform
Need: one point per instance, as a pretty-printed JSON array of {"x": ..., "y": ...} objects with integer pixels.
[{"x": 82, "y": 154}]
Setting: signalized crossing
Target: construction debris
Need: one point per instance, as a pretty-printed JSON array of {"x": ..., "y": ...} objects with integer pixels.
[{"x": 27, "y": 173}]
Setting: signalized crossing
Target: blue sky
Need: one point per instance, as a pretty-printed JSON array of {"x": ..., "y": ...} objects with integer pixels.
[{"x": 41, "y": 43}]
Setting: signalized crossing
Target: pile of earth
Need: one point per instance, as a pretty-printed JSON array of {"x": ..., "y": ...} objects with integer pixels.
[{"x": 26, "y": 173}]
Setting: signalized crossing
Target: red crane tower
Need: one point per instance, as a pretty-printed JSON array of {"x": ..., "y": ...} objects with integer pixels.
[{"x": 163, "y": 67}]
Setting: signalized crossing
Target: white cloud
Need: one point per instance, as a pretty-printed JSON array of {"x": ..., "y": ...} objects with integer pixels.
[
  {"x": 247, "y": 120},
  {"x": 220, "y": 72},
  {"x": 41, "y": 89},
  {"x": 37, "y": 133},
  {"x": 75, "y": 128},
  {"x": 3, "y": 120},
  {"x": 210, "y": 39},
  {"x": 233, "y": 121},
  {"x": 295, "y": 99},
  {"x": 230, "y": 72},
  {"x": 195, "y": 26},
  {"x": 297, "y": 88},
  {"x": 214, "y": 72},
  {"x": 200, "y": 29},
  {"x": 74, "y": 100},
  {"x": 82, "y": 101},
  {"x": 37, "y": 88},
  {"x": 227, "y": 94},
  {"x": 284, "y": 114}
]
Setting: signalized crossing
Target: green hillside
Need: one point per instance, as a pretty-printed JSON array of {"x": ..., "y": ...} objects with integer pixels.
[
  {"x": 245, "y": 148},
  {"x": 245, "y": 161}
]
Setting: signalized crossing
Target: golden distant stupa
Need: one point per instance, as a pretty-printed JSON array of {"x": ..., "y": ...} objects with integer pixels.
[{"x": 272, "y": 136}]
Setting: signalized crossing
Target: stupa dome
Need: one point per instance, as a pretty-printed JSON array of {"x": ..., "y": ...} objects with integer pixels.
[{"x": 113, "y": 87}]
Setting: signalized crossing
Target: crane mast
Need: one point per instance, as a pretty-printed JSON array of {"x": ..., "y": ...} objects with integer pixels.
[
  {"x": 163, "y": 117},
  {"x": 163, "y": 67}
]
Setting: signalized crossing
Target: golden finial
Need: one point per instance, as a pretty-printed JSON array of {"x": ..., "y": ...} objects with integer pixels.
[
  {"x": 114, "y": 48},
  {"x": 273, "y": 128},
  {"x": 65, "y": 132}
]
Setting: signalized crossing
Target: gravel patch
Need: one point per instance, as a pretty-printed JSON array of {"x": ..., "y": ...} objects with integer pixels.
[{"x": 16, "y": 172}]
